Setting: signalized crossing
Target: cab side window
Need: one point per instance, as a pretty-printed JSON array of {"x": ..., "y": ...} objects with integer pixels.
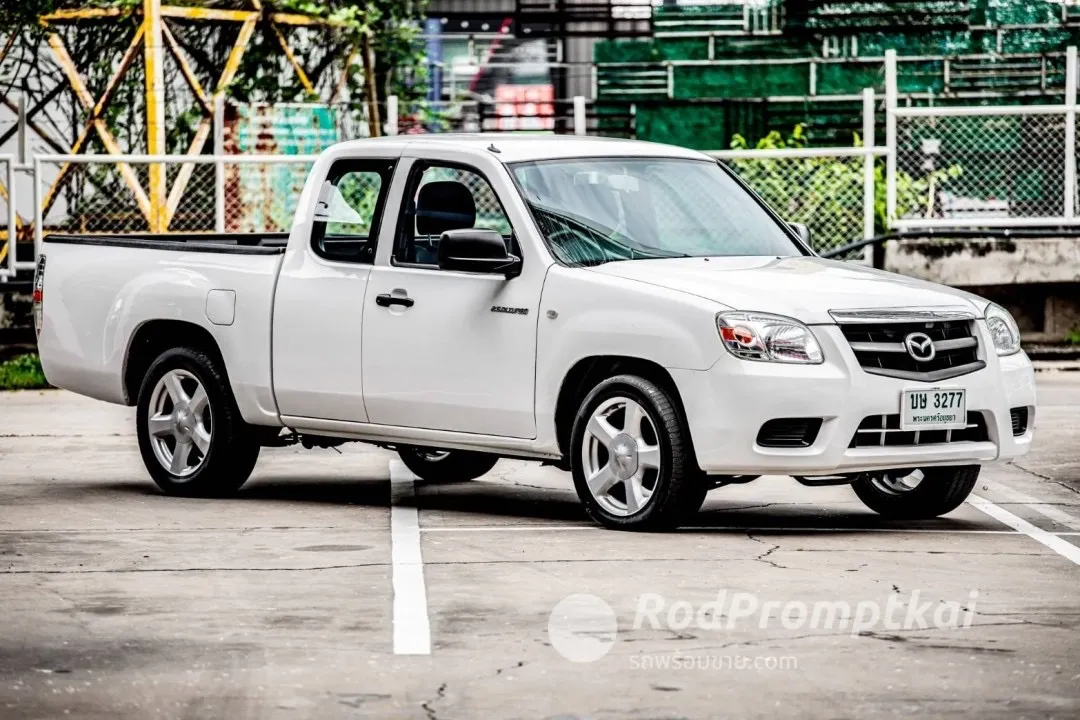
[
  {"x": 349, "y": 209},
  {"x": 441, "y": 198}
]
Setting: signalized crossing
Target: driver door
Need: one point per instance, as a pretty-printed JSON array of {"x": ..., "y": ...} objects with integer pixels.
[{"x": 450, "y": 350}]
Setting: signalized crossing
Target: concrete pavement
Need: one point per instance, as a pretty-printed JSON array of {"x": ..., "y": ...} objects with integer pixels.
[{"x": 120, "y": 602}]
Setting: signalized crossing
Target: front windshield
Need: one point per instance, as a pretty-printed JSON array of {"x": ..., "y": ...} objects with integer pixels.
[{"x": 598, "y": 210}]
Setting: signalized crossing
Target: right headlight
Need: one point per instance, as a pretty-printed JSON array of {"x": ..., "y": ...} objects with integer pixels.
[
  {"x": 768, "y": 338},
  {"x": 1003, "y": 330}
]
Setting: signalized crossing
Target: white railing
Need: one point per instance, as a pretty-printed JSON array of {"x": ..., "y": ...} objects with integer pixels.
[
  {"x": 981, "y": 167},
  {"x": 10, "y": 219}
]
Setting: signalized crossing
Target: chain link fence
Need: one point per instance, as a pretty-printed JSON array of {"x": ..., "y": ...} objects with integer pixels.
[
  {"x": 245, "y": 194},
  {"x": 825, "y": 192},
  {"x": 262, "y": 196},
  {"x": 489, "y": 211},
  {"x": 984, "y": 166},
  {"x": 87, "y": 195}
]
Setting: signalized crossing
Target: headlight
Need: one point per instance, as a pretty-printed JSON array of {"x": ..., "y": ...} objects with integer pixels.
[
  {"x": 1003, "y": 330},
  {"x": 769, "y": 338}
]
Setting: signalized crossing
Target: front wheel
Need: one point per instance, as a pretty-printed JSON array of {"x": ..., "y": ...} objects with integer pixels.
[
  {"x": 191, "y": 436},
  {"x": 916, "y": 494},
  {"x": 434, "y": 465},
  {"x": 631, "y": 458}
]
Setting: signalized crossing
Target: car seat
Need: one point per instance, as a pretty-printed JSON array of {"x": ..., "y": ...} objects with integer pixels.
[{"x": 440, "y": 206}]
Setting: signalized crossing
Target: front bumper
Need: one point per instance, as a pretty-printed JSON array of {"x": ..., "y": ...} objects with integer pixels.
[{"x": 727, "y": 404}]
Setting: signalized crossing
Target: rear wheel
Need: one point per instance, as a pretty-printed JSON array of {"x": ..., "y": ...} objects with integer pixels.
[
  {"x": 631, "y": 459},
  {"x": 434, "y": 465},
  {"x": 916, "y": 494},
  {"x": 191, "y": 436}
]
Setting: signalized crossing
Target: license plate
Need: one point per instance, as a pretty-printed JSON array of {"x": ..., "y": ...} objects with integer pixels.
[{"x": 934, "y": 409}]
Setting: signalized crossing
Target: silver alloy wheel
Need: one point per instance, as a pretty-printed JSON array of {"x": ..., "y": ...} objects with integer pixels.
[
  {"x": 620, "y": 456},
  {"x": 896, "y": 482},
  {"x": 433, "y": 455},
  {"x": 179, "y": 423}
]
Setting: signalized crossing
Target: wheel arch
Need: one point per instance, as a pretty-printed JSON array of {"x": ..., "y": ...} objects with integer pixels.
[
  {"x": 154, "y": 337},
  {"x": 584, "y": 375}
]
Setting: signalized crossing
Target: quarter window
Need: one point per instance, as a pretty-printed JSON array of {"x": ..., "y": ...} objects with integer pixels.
[{"x": 349, "y": 209}]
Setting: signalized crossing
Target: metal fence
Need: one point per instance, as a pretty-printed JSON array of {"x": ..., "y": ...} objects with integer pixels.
[
  {"x": 833, "y": 191},
  {"x": 8, "y": 219},
  {"x": 829, "y": 190},
  {"x": 1004, "y": 165},
  {"x": 105, "y": 194},
  {"x": 940, "y": 166},
  {"x": 980, "y": 166}
]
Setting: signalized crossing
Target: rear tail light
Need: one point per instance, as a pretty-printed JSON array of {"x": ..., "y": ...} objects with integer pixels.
[{"x": 39, "y": 293}]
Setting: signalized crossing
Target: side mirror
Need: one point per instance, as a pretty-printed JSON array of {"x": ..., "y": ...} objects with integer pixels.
[
  {"x": 803, "y": 232},
  {"x": 477, "y": 251}
]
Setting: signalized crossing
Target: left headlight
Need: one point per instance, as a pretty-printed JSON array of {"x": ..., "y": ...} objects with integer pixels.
[
  {"x": 768, "y": 338},
  {"x": 1003, "y": 330}
]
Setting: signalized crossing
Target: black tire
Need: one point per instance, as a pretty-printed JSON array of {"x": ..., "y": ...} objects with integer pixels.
[
  {"x": 941, "y": 490},
  {"x": 233, "y": 446},
  {"x": 446, "y": 466},
  {"x": 679, "y": 486}
]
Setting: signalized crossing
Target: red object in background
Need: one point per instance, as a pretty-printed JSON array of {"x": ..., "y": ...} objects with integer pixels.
[{"x": 525, "y": 107}]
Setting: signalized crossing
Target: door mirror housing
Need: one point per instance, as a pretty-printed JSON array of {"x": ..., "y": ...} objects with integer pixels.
[
  {"x": 803, "y": 232},
  {"x": 477, "y": 251}
]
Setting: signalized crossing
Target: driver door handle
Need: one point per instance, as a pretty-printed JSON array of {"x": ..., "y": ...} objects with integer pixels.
[{"x": 387, "y": 300}]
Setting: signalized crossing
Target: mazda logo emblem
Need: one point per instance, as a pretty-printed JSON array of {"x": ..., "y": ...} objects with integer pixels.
[{"x": 920, "y": 346}]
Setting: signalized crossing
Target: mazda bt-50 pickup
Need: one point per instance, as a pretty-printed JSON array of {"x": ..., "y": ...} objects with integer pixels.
[{"x": 627, "y": 311}]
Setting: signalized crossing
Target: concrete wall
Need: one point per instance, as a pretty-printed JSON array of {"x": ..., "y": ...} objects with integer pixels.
[{"x": 1036, "y": 278}]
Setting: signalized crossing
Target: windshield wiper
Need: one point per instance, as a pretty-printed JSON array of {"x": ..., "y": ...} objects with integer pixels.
[{"x": 600, "y": 234}]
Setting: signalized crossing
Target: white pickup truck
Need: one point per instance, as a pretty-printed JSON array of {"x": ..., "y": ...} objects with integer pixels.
[{"x": 628, "y": 311}]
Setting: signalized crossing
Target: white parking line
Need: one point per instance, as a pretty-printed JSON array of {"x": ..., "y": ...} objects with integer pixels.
[
  {"x": 412, "y": 631},
  {"x": 1051, "y": 511},
  {"x": 1055, "y": 543},
  {"x": 719, "y": 528}
]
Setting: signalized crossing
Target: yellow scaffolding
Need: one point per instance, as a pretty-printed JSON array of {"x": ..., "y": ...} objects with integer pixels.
[{"x": 158, "y": 202}]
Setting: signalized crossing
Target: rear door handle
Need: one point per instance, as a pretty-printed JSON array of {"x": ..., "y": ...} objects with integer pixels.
[{"x": 388, "y": 300}]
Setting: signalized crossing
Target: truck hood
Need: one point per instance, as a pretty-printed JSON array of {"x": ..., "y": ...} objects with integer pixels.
[{"x": 805, "y": 288}]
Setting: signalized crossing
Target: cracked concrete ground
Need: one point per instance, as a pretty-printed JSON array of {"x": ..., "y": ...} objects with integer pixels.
[{"x": 118, "y": 602}]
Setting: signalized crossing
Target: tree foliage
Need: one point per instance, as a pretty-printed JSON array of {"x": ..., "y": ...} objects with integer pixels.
[{"x": 391, "y": 27}]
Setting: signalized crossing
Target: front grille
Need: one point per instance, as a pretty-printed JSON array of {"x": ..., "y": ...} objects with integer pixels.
[
  {"x": 884, "y": 431},
  {"x": 1019, "y": 417},
  {"x": 789, "y": 432},
  {"x": 881, "y": 350}
]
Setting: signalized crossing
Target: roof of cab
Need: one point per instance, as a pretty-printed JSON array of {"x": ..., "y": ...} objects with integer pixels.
[{"x": 519, "y": 147}]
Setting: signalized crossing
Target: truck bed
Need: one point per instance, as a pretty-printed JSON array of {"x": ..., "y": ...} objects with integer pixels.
[
  {"x": 232, "y": 243},
  {"x": 100, "y": 291}
]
